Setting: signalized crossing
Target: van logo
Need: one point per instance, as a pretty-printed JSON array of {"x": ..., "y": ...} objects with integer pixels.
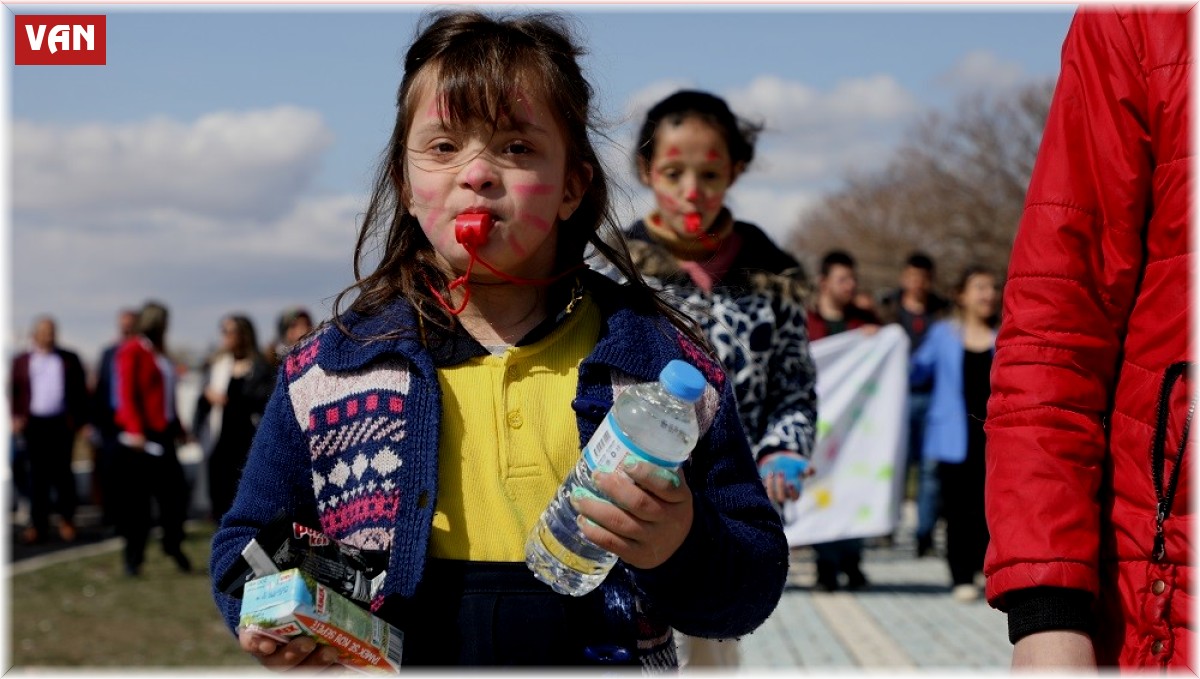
[{"x": 60, "y": 40}]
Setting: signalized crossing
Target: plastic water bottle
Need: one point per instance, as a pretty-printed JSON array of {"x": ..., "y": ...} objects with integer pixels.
[{"x": 655, "y": 422}]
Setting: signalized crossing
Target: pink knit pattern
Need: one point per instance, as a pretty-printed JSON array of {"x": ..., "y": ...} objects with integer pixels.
[
  {"x": 370, "y": 509},
  {"x": 301, "y": 359}
]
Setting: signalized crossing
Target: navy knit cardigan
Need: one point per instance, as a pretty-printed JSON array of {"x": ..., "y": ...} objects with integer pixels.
[{"x": 349, "y": 444}]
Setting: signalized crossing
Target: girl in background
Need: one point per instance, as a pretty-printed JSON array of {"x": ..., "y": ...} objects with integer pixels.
[
  {"x": 956, "y": 356},
  {"x": 435, "y": 418},
  {"x": 747, "y": 292}
]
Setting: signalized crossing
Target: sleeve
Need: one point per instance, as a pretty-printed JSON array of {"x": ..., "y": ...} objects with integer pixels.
[
  {"x": 16, "y": 397},
  {"x": 258, "y": 391},
  {"x": 128, "y": 415},
  {"x": 728, "y": 575},
  {"x": 791, "y": 386},
  {"x": 1072, "y": 276},
  {"x": 202, "y": 409},
  {"x": 276, "y": 481},
  {"x": 922, "y": 361},
  {"x": 77, "y": 390}
]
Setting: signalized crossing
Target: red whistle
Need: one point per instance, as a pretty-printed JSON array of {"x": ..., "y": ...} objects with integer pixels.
[
  {"x": 471, "y": 228},
  {"x": 691, "y": 222}
]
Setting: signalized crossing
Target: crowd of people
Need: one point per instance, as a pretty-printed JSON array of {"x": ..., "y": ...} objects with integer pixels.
[
  {"x": 436, "y": 413},
  {"x": 124, "y": 413}
]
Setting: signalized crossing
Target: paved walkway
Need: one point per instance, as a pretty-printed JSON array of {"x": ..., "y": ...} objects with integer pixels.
[{"x": 906, "y": 620}]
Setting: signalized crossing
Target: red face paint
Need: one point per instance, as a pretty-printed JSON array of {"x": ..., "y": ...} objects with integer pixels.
[
  {"x": 539, "y": 223},
  {"x": 672, "y": 152},
  {"x": 516, "y": 246},
  {"x": 692, "y": 222},
  {"x": 533, "y": 189},
  {"x": 713, "y": 154}
]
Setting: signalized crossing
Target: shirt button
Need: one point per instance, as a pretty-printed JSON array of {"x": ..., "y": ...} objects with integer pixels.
[
  {"x": 1156, "y": 647},
  {"x": 1158, "y": 587},
  {"x": 515, "y": 420}
]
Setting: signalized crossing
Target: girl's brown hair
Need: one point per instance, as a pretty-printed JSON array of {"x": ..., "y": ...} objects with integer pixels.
[
  {"x": 477, "y": 60},
  {"x": 971, "y": 271}
]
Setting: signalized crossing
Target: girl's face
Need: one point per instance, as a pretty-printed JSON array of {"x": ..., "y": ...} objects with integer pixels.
[
  {"x": 230, "y": 337},
  {"x": 979, "y": 296},
  {"x": 518, "y": 175},
  {"x": 690, "y": 171}
]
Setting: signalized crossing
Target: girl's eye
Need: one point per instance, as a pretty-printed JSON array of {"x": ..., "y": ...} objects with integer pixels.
[
  {"x": 443, "y": 147},
  {"x": 671, "y": 174},
  {"x": 712, "y": 176},
  {"x": 517, "y": 148}
]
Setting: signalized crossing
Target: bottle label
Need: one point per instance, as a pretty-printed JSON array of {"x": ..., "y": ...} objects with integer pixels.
[{"x": 609, "y": 445}]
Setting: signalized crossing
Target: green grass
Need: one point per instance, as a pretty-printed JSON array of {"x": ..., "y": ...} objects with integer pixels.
[{"x": 87, "y": 613}]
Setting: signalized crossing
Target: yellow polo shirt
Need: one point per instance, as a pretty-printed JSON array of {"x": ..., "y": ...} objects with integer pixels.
[{"x": 508, "y": 439}]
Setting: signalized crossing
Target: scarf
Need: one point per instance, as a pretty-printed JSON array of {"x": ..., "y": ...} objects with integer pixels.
[{"x": 689, "y": 247}]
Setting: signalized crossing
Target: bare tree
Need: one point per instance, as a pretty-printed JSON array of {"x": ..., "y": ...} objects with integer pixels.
[{"x": 955, "y": 189}]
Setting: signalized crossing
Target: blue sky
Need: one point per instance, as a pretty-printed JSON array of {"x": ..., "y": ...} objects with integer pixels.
[{"x": 218, "y": 161}]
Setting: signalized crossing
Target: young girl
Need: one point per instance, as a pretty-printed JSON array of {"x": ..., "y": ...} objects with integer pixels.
[
  {"x": 956, "y": 356},
  {"x": 435, "y": 419},
  {"x": 690, "y": 151}
]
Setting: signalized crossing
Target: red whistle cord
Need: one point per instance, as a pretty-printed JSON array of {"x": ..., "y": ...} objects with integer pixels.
[{"x": 462, "y": 281}]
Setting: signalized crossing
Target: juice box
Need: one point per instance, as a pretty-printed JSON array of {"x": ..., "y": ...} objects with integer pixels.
[{"x": 291, "y": 603}]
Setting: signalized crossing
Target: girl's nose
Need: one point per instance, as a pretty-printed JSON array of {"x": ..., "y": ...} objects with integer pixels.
[{"x": 478, "y": 174}]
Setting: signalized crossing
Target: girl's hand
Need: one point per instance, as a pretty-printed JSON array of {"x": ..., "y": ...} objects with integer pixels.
[
  {"x": 649, "y": 515},
  {"x": 297, "y": 653},
  {"x": 783, "y": 474}
]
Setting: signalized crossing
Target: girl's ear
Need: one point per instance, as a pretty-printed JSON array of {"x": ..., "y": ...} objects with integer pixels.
[
  {"x": 738, "y": 168},
  {"x": 643, "y": 168},
  {"x": 576, "y": 185}
]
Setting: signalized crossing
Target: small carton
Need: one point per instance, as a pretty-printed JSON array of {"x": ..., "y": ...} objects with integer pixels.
[{"x": 291, "y": 603}]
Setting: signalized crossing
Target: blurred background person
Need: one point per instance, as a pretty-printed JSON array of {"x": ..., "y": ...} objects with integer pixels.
[
  {"x": 955, "y": 362},
  {"x": 104, "y": 408},
  {"x": 748, "y": 292},
  {"x": 833, "y": 312},
  {"x": 293, "y": 324},
  {"x": 147, "y": 467},
  {"x": 915, "y": 306},
  {"x": 49, "y": 404},
  {"x": 237, "y": 384}
]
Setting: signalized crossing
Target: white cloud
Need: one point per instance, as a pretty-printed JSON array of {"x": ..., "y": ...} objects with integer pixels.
[
  {"x": 226, "y": 164},
  {"x": 787, "y": 104},
  {"x": 980, "y": 70},
  {"x": 202, "y": 267}
]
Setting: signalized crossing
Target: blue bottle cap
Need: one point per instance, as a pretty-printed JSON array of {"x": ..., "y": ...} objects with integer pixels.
[{"x": 681, "y": 379}]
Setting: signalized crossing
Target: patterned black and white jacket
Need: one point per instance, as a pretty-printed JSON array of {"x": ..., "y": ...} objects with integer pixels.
[{"x": 755, "y": 319}]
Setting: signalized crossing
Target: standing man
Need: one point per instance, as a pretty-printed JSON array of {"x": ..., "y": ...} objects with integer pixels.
[
  {"x": 836, "y": 312},
  {"x": 915, "y": 307},
  {"x": 49, "y": 405},
  {"x": 104, "y": 410},
  {"x": 146, "y": 464}
]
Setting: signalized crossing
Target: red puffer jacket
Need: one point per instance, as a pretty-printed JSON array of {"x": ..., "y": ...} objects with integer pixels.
[{"x": 1095, "y": 311}]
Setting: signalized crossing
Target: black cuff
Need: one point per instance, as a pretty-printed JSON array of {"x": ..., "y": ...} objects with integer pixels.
[
  {"x": 1040, "y": 609},
  {"x": 768, "y": 451}
]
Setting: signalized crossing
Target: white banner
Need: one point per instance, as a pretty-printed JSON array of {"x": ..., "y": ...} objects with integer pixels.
[{"x": 862, "y": 432}]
